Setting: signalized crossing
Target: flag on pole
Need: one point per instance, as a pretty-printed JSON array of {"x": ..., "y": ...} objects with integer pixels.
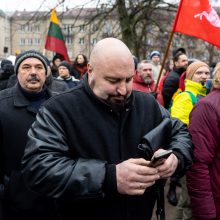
[
  {"x": 198, "y": 18},
  {"x": 55, "y": 41}
]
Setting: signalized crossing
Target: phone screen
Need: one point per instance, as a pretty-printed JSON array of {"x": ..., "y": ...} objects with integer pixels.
[{"x": 159, "y": 159}]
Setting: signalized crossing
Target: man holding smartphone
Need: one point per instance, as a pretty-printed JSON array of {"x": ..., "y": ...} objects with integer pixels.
[{"x": 83, "y": 147}]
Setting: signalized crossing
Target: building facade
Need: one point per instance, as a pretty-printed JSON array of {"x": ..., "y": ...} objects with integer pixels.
[
  {"x": 81, "y": 28},
  {"x": 24, "y": 30}
]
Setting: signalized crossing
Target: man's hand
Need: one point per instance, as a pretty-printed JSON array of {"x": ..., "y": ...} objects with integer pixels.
[
  {"x": 169, "y": 166},
  {"x": 134, "y": 176}
]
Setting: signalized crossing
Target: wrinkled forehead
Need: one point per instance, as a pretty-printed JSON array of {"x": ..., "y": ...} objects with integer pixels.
[
  {"x": 147, "y": 66},
  {"x": 31, "y": 61}
]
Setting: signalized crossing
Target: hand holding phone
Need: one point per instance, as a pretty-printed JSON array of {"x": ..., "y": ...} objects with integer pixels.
[{"x": 159, "y": 158}]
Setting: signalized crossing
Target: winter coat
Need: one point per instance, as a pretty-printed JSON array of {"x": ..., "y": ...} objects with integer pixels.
[
  {"x": 16, "y": 117},
  {"x": 170, "y": 85},
  {"x": 71, "y": 81},
  {"x": 5, "y": 75},
  {"x": 75, "y": 162},
  {"x": 203, "y": 179},
  {"x": 182, "y": 104},
  {"x": 56, "y": 85},
  {"x": 140, "y": 85}
]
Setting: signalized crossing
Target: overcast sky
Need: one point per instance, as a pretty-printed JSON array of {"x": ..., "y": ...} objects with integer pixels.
[{"x": 32, "y": 5}]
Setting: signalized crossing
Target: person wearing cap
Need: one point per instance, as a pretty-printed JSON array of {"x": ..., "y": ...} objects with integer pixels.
[
  {"x": 64, "y": 70},
  {"x": 197, "y": 73},
  {"x": 18, "y": 108},
  {"x": 155, "y": 61},
  {"x": 57, "y": 58},
  {"x": 7, "y": 69},
  {"x": 203, "y": 179},
  {"x": 53, "y": 84}
]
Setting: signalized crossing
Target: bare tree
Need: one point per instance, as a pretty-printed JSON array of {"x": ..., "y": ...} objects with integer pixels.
[{"x": 137, "y": 20}]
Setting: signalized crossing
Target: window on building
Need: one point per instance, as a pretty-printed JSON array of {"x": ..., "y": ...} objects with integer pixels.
[
  {"x": 28, "y": 28},
  {"x": 68, "y": 28},
  {"x": 23, "y": 28},
  {"x": 94, "y": 41},
  {"x": 94, "y": 28},
  {"x": 29, "y": 41},
  {"x": 82, "y": 28},
  {"x": 68, "y": 40},
  {"x": 149, "y": 41},
  {"x": 37, "y": 41},
  {"x": 36, "y": 28},
  {"x": 81, "y": 41},
  {"x": 22, "y": 41}
]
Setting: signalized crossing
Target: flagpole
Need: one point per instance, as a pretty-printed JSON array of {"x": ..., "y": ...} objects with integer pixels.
[
  {"x": 164, "y": 59},
  {"x": 168, "y": 45}
]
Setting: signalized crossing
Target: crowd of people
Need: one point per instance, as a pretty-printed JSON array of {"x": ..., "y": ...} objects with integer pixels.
[{"x": 77, "y": 139}]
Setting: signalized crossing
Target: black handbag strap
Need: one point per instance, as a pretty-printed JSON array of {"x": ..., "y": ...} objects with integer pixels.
[{"x": 160, "y": 211}]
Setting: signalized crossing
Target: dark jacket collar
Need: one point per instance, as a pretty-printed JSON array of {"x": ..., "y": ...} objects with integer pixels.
[{"x": 20, "y": 100}]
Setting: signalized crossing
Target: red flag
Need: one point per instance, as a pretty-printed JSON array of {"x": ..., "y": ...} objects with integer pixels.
[
  {"x": 55, "y": 41},
  {"x": 198, "y": 18}
]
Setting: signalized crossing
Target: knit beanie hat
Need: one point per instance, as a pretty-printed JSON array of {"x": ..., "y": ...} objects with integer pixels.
[
  {"x": 66, "y": 64},
  {"x": 5, "y": 62},
  {"x": 192, "y": 68},
  {"x": 29, "y": 54},
  {"x": 57, "y": 56},
  {"x": 154, "y": 53}
]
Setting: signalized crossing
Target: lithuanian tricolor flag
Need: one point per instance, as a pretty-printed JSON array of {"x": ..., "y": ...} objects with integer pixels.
[{"x": 55, "y": 41}]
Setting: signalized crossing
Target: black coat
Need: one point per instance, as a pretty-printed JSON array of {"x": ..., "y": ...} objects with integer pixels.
[
  {"x": 16, "y": 117},
  {"x": 77, "y": 141},
  {"x": 170, "y": 86}
]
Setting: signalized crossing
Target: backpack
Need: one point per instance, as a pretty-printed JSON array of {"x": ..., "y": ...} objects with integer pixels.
[
  {"x": 194, "y": 99},
  {"x": 161, "y": 84}
]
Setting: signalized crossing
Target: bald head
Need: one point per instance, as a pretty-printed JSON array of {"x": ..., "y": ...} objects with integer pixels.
[
  {"x": 111, "y": 70},
  {"x": 110, "y": 49}
]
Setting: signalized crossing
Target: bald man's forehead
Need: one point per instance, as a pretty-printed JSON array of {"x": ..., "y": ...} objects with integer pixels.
[{"x": 109, "y": 47}]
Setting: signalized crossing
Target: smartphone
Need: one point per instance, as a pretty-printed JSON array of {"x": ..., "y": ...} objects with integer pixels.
[{"x": 159, "y": 159}]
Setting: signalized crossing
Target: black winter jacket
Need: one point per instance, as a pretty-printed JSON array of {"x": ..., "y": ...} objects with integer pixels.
[
  {"x": 16, "y": 117},
  {"x": 170, "y": 86},
  {"x": 75, "y": 144}
]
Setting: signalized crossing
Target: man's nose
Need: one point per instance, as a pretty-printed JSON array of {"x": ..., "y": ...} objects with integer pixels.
[
  {"x": 33, "y": 70},
  {"x": 122, "y": 88}
]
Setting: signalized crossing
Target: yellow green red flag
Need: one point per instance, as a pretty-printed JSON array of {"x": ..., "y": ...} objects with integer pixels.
[{"x": 55, "y": 41}]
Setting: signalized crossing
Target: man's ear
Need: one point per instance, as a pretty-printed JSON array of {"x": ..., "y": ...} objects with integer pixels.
[{"x": 89, "y": 68}]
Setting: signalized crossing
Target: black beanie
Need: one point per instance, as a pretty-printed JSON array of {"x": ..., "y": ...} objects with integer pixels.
[
  {"x": 66, "y": 64},
  {"x": 5, "y": 62},
  {"x": 29, "y": 54}
]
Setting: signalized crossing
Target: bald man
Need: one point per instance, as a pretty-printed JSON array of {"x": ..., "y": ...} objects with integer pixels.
[{"x": 82, "y": 149}]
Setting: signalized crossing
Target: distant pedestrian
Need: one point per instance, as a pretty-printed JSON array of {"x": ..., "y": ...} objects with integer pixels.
[
  {"x": 79, "y": 67},
  {"x": 64, "y": 70},
  {"x": 143, "y": 78}
]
